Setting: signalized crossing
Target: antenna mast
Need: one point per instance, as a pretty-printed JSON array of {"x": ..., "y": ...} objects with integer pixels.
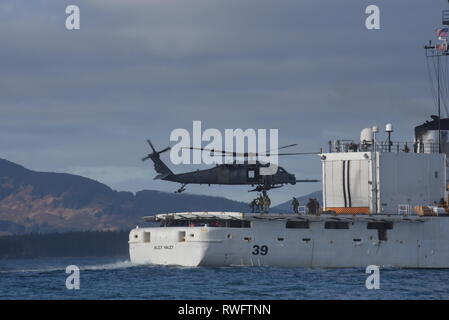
[{"x": 437, "y": 51}]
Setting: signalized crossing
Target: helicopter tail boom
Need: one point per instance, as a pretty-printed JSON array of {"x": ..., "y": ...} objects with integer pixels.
[{"x": 159, "y": 166}]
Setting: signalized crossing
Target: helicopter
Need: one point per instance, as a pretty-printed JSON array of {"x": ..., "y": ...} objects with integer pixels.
[{"x": 227, "y": 173}]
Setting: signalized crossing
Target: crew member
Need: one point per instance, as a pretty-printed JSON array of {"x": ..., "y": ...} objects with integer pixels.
[
  {"x": 295, "y": 205},
  {"x": 266, "y": 202},
  {"x": 257, "y": 204},
  {"x": 313, "y": 206},
  {"x": 261, "y": 204},
  {"x": 316, "y": 206}
]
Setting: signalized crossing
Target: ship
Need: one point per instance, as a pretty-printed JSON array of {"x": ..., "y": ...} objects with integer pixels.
[{"x": 385, "y": 203}]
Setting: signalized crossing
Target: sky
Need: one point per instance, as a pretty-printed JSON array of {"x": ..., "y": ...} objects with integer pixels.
[{"x": 85, "y": 101}]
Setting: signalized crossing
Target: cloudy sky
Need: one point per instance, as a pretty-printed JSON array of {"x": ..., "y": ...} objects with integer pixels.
[{"x": 85, "y": 101}]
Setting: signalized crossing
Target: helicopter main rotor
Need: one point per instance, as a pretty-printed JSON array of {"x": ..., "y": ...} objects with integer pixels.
[{"x": 254, "y": 154}]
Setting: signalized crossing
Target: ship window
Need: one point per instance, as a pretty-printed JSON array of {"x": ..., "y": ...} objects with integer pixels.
[
  {"x": 280, "y": 239},
  {"x": 336, "y": 225},
  {"x": 239, "y": 224},
  {"x": 380, "y": 225},
  {"x": 247, "y": 239},
  {"x": 297, "y": 225},
  {"x": 181, "y": 236},
  {"x": 251, "y": 174},
  {"x": 147, "y": 237}
]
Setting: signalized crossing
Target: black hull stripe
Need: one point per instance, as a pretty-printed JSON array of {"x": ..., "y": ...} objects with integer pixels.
[
  {"x": 344, "y": 184},
  {"x": 348, "y": 185}
]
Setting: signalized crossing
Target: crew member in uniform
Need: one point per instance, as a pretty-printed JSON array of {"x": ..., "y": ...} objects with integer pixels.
[
  {"x": 313, "y": 206},
  {"x": 295, "y": 204},
  {"x": 261, "y": 204},
  {"x": 266, "y": 202}
]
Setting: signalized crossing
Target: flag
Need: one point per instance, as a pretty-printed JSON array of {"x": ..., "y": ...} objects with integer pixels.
[
  {"x": 442, "y": 46},
  {"x": 442, "y": 32}
]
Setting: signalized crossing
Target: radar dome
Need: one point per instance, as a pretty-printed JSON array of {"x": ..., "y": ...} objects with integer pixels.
[{"x": 366, "y": 136}]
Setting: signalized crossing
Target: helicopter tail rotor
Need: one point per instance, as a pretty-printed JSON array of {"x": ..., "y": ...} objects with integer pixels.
[
  {"x": 161, "y": 168},
  {"x": 155, "y": 153},
  {"x": 151, "y": 145}
]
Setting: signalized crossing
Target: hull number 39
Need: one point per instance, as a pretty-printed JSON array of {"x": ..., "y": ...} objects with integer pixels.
[{"x": 260, "y": 250}]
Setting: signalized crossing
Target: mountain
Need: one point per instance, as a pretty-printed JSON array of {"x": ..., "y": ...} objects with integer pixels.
[
  {"x": 43, "y": 202},
  {"x": 287, "y": 206}
]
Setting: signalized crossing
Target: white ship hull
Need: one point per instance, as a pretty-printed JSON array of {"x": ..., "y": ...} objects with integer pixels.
[{"x": 413, "y": 242}]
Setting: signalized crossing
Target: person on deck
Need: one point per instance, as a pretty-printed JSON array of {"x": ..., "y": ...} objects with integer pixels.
[{"x": 295, "y": 205}]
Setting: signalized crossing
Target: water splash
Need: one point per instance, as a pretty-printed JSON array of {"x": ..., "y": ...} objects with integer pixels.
[
  {"x": 37, "y": 270},
  {"x": 110, "y": 266},
  {"x": 44, "y": 269}
]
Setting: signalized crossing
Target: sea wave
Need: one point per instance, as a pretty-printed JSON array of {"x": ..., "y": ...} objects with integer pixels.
[{"x": 107, "y": 266}]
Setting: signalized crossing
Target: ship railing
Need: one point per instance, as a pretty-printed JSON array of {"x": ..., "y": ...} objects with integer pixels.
[
  {"x": 383, "y": 146},
  {"x": 404, "y": 209}
]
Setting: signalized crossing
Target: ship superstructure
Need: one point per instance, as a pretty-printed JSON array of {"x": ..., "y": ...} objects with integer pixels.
[{"x": 371, "y": 177}]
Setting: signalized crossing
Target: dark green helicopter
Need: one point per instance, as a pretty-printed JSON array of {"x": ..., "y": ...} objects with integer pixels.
[{"x": 227, "y": 174}]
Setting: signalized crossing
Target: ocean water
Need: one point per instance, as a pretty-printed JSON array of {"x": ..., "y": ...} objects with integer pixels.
[{"x": 117, "y": 278}]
